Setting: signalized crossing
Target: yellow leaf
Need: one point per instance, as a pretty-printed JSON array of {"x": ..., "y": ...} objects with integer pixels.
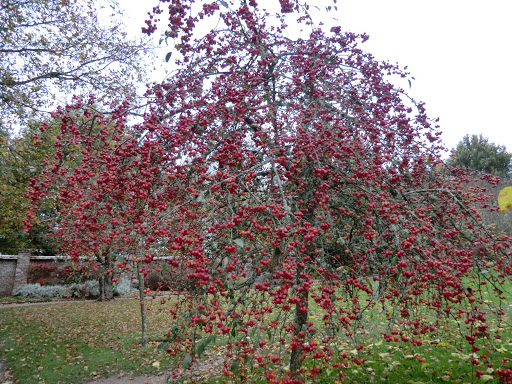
[
  {"x": 485, "y": 378},
  {"x": 408, "y": 357},
  {"x": 156, "y": 364},
  {"x": 385, "y": 356},
  {"x": 461, "y": 356},
  {"x": 505, "y": 199}
]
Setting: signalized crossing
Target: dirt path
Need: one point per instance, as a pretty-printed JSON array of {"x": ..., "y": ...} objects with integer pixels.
[
  {"x": 59, "y": 301},
  {"x": 3, "y": 372},
  {"x": 15, "y": 305},
  {"x": 158, "y": 379}
]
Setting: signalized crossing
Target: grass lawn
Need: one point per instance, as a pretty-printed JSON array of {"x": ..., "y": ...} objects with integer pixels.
[{"x": 74, "y": 342}]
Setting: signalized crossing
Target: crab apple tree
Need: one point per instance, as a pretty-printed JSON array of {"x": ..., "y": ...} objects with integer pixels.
[
  {"x": 295, "y": 187},
  {"x": 320, "y": 185}
]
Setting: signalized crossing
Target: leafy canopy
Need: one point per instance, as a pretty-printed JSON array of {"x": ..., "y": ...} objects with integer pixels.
[
  {"x": 476, "y": 153},
  {"x": 52, "y": 49},
  {"x": 49, "y": 51}
]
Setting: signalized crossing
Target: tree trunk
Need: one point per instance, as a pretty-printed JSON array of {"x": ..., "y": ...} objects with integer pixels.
[
  {"x": 105, "y": 280},
  {"x": 300, "y": 322},
  {"x": 106, "y": 288},
  {"x": 143, "y": 321}
]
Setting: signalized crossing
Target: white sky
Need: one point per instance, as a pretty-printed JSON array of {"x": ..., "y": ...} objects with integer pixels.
[{"x": 459, "y": 52}]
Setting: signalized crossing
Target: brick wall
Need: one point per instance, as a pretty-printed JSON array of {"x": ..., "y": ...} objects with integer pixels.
[{"x": 14, "y": 269}]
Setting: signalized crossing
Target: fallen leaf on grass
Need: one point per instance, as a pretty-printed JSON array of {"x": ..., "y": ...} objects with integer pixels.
[
  {"x": 385, "y": 356},
  {"x": 461, "y": 356}
]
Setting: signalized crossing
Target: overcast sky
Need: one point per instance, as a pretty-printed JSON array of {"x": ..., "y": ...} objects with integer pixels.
[{"x": 459, "y": 52}]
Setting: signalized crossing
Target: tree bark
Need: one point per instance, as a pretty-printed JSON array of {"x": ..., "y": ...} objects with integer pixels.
[
  {"x": 143, "y": 321},
  {"x": 300, "y": 322},
  {"x": 106, "y": 288}
]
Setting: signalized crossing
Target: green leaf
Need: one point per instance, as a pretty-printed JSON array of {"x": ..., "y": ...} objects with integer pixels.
[
  {"x": 174, "y": 332},
  {"x": 163, "y": 345},
  {"x": 239, "y": 241},
  {"x": 394, "y": 260},
  {"x": 200, "y": 198},
  {"x": 168, "y": 57},
  {"x": 202, "y": 346},
  {"x": 187, "y": 361},
  {"x": 236, "y": 323},
  {"x": 223, "y": 3},
  {"x": 235, "y": 367}
]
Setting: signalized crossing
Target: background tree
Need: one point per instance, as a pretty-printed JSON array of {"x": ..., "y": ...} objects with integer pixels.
[
  {"x": 476, "y": 153},
  {"x": 49, "y": 51},
  {"x": 21, "y": 158},
  {"x": 293, "y": 186},
  {"x": 52, "y": 49}
]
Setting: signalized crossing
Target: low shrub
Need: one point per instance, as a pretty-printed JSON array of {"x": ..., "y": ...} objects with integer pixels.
[
  {"x": 89, "y": 289},
  {"x": 167, "y": 280},
  {"x": 48, "y": 274},
  {"x": 37, "y": 290},
  {"x": 92, "y": 289},
  {"x": 75, "y": 290},
  {"x": 158, "y": 282},
  {"x": 42, "y": 274},
  {"x": 79, "y": 273},
  {"x": 124, "y": 287}
]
